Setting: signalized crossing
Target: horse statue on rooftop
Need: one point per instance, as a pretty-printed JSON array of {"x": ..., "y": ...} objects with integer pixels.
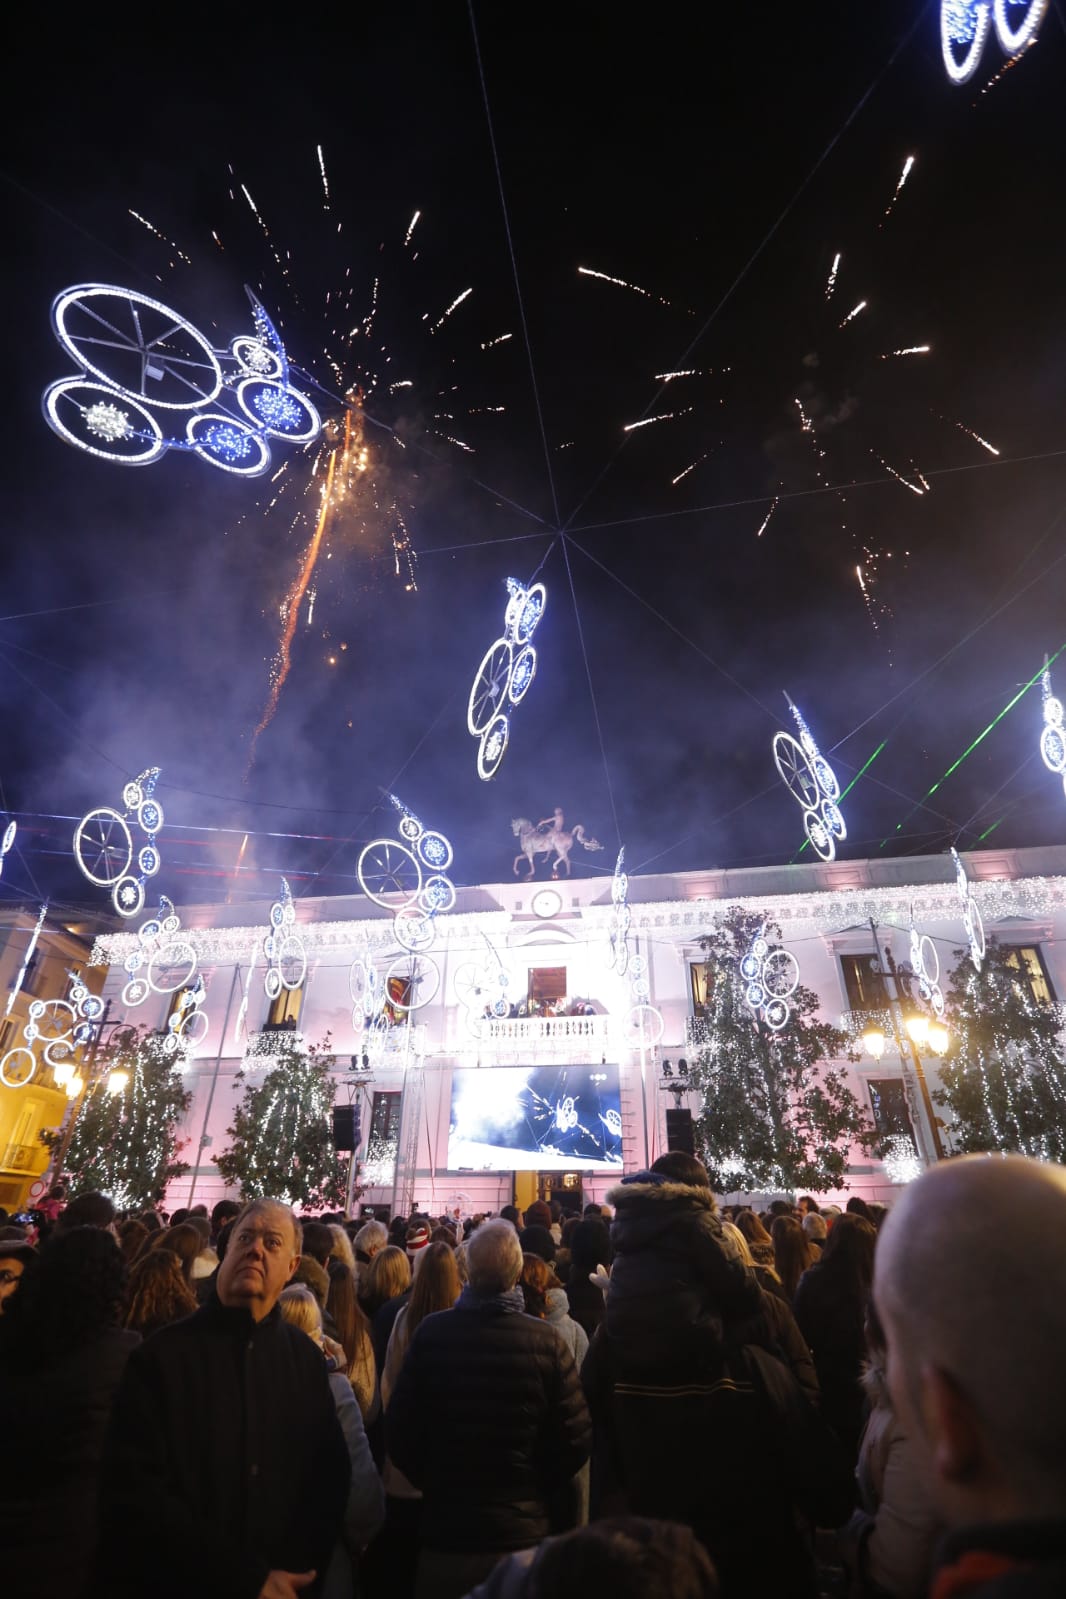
[{"x": 548, "y": 836}]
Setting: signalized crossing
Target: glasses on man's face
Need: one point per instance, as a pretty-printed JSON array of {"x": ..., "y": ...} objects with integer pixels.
[
  {"x": 273, "y": 1243},
  {"x": 7, "y": 1277}
]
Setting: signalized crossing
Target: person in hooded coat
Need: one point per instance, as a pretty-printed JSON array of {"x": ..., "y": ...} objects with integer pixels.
[{"x": 692, "y": 1401}]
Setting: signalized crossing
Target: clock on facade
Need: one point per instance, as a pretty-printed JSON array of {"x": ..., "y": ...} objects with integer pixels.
[{"x": 546, "y": 902}]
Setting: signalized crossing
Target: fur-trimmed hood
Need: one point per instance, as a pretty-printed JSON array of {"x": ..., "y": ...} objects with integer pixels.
[{"x": 649, "y": 1186}]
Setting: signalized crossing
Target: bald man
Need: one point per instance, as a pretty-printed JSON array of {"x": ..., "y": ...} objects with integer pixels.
[
  {"x": 970, "y": 1287},
  {"x": 226, "y": 1470}
]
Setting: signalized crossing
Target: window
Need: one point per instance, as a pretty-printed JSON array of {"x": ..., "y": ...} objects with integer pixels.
[
  {"x": 700, "y": 978},
  {"x": 284, "y": 1011},
  {"x": 547, "y": 988},
  {"x": 7, "y": 1034},
  {"x": 1032, "y": 978},
  {"x": 865, "y": 987},
  {"x": 383, "y": 1142},
  {"x": 888, "y": 1102}
]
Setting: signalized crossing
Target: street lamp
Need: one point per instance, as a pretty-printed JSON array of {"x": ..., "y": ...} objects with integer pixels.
[
  {"x": 917, "y": 1030},
  {"x": 117, "y": 1080},
  {"x": 873, "y": 1041}
]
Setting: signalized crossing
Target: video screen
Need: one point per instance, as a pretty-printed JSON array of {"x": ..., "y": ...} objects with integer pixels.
[{"x": 535, "y": 1118}]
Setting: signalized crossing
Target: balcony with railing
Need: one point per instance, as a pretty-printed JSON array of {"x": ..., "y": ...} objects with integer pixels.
[{"x": 20, "y": 1157}]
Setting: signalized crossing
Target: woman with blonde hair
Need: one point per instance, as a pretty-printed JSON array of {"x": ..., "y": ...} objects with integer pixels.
[
  {"x": 157, "y": 1293},
  {"x": 341, "y": 1249},
  {"x": 387, "y": 1276},
  {"x": 366, "y": 1503}
]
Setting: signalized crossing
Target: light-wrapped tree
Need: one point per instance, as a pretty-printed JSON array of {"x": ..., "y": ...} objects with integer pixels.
[
  {"x": 281, "y": 1138},
  {"x": 777, "y": 1112}
]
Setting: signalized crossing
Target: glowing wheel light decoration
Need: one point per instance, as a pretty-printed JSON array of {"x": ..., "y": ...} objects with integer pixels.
[
  {"x": 925, "y": 964},
  {"x": 481, "y": 989},
  {"x": 813, "y": 784},
  {"x": 411, "y": 982},
  {"x": 971, "y": 916},
  {"x": 104, "y": 847},
  {"x": 965, "y": 26},
  {"x": 137, "y": 357},
  {"x": 283, "y": 948},
  {"x": 164, "y": 964},
  {"x": 58, "y": 1028},
  {"x": 505, "y": 676},
  {"x": 617, "y": 952},
  {"x": 769, "y": 978},
  {"x": 1053, "y": 736}
]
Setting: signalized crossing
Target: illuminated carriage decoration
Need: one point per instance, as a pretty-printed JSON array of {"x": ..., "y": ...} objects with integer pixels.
[
  {"x": 408, "y": 877},
  {"x": 965, "y": 26},
  {"x": 813, "y": 784},
  {"x": 59, "y": 1027},
  {"x": 769, "y": 978},
  {"x": 107, "y": 852},
  {"x": 971, "y": 916},
  {"x": 149, "y": 382},
  {"x": 642, "y": 1024},
  {"x": 165, "y": 963},
  {"x": 1053, "y": 735},
  {"x": 505, "y": 676}
]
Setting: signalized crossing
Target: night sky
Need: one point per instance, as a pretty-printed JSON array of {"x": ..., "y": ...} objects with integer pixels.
[{"x": 720, "y": 164}]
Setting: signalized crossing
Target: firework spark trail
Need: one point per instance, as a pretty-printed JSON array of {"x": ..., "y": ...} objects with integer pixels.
[
  {"x": 283, "y": 659},
  {"x": 766, "y": 518},
  {"x": 899, "y": 475},
  {"x": 411, "y": 228},
  {"x": 459, "y": 298},
  {"x": 853, "y": 313},
  {"x": 832, "y": 279},
  {"x": 634, "y": 288},
  {"x": 325, "y": 180},
  {"x": 501, "y": 338},
  {"x": 909, "y": 349},
  {"x": 161, "y": 236},
  {"x": 663, "y": 416},
  {"x": 904, "y": 175},
  {"x": 674, "y": 481},
  {"x": 970, "y": 434}
]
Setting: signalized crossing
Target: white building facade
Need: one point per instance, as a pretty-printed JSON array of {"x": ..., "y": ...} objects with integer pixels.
[{"x": 523, "y": 976}]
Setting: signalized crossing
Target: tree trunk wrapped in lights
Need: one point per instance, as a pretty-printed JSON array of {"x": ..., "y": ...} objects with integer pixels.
[
  {"x": 281, "y": 1138},
  {"x": 777, "y": 1112},
  {"x": 126, "y": 1139},
  {"x": 1004, "y": 1076}
]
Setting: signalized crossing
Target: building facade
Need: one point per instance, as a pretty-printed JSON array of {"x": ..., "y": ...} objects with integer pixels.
[{"x": 523, "y": 977}]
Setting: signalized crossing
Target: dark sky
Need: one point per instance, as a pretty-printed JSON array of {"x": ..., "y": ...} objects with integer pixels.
[{"x": 649, "y": 146}]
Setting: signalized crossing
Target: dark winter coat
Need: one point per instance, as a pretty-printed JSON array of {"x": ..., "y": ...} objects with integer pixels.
[
  {"x": 489, "y": 1421},
  {"x": 53, "y": 1420},
  {"x": 832, "y": 1318},
  {"x": 694, "y": 1402},
  {"x": 224, "y": 1461},
  {"x": 1031, "y": 1556},
  {"x": 791, "y": 1346},
  {"x": 672, "y": 1280}
]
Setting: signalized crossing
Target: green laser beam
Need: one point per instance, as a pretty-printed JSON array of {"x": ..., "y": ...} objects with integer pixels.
[
  {"x": 845, "y": 794},
  {"x": 978, "y": 740},
  {"x": 988, "y": 830}
]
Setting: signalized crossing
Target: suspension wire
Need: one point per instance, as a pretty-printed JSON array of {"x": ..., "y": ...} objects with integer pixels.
[
  {"x": 811, "y": 493},
  {"x": 592, "y": 691},
  {"x": 683, "y": 358},
  {"x": 665, "y": 620},
  {"x": 514, "y": 261}
]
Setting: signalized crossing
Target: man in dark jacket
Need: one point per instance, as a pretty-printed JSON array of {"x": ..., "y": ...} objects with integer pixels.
[
  {"x": 226, "y": 1469},
  {"x": 693, "y": 1404},
  {"x": 489, "y": 1421},
  {"x": 975, "y": 1324}
]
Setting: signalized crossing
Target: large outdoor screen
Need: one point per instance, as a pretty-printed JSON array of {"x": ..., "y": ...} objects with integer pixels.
[{"x": 535, "y": 1118}]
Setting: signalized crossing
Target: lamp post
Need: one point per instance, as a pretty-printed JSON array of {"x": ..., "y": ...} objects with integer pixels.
[{"x": 912, "y": 1031}]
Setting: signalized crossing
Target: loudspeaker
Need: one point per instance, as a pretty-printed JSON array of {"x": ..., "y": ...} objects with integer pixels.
[
  {"x": 679, "y": 1131},
  {"x": 346, "y": 1126}
]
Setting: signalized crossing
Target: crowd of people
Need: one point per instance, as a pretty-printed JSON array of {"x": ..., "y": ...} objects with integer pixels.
[{"x": 660, "y": 1397}]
